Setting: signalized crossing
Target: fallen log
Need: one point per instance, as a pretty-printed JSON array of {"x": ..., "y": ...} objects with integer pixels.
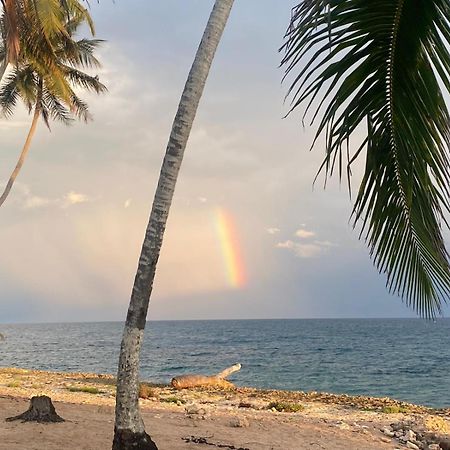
[
  {"x": 41, "y": 410},
  {"x": 190, "y": 381}
]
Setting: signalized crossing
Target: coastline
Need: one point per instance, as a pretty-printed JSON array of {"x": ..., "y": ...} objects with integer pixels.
[{"x": 245, "y": 418}]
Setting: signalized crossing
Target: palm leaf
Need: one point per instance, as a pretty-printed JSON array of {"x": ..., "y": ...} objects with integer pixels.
[
  {"x": 9, "y": 94},
  {"x": 83, "y": 80},
  {"x": 381, "y": 65},
  {"x": 55, "y": 108},
  {"x": 80, "y": 53}
]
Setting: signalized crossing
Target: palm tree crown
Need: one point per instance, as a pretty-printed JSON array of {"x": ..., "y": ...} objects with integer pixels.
[
  {"x": 382, "y": 65},
  {"x": 49, "y": 88},
  {"x": 47, "y": 16}
]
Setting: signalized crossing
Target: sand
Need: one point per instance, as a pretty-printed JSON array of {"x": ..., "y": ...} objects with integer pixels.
[{"x": 323, "y": 423}]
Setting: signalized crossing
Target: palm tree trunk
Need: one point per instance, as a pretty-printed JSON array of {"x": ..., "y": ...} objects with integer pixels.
[
  {"x": 23, "y": 155},
  {"x": 129, "y": 432}
]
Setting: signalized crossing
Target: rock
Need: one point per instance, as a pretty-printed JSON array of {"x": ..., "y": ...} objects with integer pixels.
[
  {"x": 387, "y": 440},
  {"x": 194, "y": 410},
  {"x": 410, "y": 435},
  {"x": 445, "y": 445},
  {"x": 429, "y": 437},
  {"x": 434, "y": 447},
  {"x": 409, "y": 444},
  {"x": 239, "y": 422},
  {"x": 396, "y": 426},
  {"x": 388, "y": 432}
]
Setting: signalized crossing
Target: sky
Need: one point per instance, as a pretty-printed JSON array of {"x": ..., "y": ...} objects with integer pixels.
[{"x": 73, "y": 226}]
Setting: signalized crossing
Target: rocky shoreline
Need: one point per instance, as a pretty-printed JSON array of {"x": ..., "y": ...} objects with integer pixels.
[{"x": 391, "y": 423}]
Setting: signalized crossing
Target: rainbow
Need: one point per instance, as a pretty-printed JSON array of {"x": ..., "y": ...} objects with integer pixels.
[{"x": 234, "y": 264}]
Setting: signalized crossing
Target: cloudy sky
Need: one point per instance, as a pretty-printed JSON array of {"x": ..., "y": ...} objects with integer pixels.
[{"x": 72, "y": 228}]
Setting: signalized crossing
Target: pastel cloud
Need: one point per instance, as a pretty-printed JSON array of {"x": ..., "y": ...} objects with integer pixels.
[
  {"x": 302, "y": 250},
  {"x": 304, "y": 234},
  {"x": 273, "y": 230},
  {"x": 74, "y": 198}
]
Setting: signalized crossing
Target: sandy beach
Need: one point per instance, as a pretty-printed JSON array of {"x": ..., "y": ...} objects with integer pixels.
[{"x": 241, "y": 418}]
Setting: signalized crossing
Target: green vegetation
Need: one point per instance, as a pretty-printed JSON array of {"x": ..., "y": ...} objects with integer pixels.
[
  {"x": 377, "y": 72},
  {"x": 87, "y": 389},
  {"x": 48, "y": 75},
  {"x": 394, "y": 409},
  {"x": 14, "y": 384},
  {"x": 286, "y": 407}
]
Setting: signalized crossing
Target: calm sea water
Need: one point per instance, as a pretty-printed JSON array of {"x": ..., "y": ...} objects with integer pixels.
[{"x": 407, "y": 359}]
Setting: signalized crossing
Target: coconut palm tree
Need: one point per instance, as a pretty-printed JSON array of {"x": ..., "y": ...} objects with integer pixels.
[
  {"x": 382, "y": 68},
  {"x": 129, "y": 430},
  {"x": 48, "y": 90}
]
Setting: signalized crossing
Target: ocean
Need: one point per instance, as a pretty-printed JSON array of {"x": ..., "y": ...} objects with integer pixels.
[{"x": 405, "y": 359}]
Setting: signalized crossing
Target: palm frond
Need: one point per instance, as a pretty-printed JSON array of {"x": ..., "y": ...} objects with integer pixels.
[
  {"x": 80, "y": 109},
  {"x": 9, "y": 94},
  {"x": 50, "y": 17},
  {"x": 55, "y": 108},
  {"x": 83, "y": 80},
  {"x": 380, "y": 64},
  {"x": 80, "y": 53}
]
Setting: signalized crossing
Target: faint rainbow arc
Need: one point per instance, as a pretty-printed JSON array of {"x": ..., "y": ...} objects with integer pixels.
[{"x": 229, "y": 242}]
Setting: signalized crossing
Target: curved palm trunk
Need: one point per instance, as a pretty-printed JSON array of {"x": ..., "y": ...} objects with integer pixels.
[
  {"x": 23, "y": 155},
  {"x": 129, "y": 432}
]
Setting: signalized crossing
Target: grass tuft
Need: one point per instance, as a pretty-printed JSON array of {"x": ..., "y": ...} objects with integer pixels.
[
  {"x": 87, "y": 389},
  {"x": 286, "y": 407},
  {"x": 394, "y": 409}
]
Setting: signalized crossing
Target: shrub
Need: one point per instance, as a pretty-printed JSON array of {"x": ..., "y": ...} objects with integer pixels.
[{"x": 146, "y": 391}]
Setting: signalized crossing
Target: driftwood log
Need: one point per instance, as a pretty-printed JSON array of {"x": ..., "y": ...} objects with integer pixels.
[
  {"x": 41, "y": 410},
  {"x": 190, "y": 381}
]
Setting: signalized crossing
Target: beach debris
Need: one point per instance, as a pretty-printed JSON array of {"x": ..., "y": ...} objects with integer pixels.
[
  {"x": 190, "y": 381},
  {"x": 239, "y": 422},
  {"x": 204, "y": 441},
  {"x": 41, "y": 410}
]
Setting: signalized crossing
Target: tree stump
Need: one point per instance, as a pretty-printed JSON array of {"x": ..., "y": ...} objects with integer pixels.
[
  {"x": 41, "y": 410},
  {"x": 190, "y": 381}
]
